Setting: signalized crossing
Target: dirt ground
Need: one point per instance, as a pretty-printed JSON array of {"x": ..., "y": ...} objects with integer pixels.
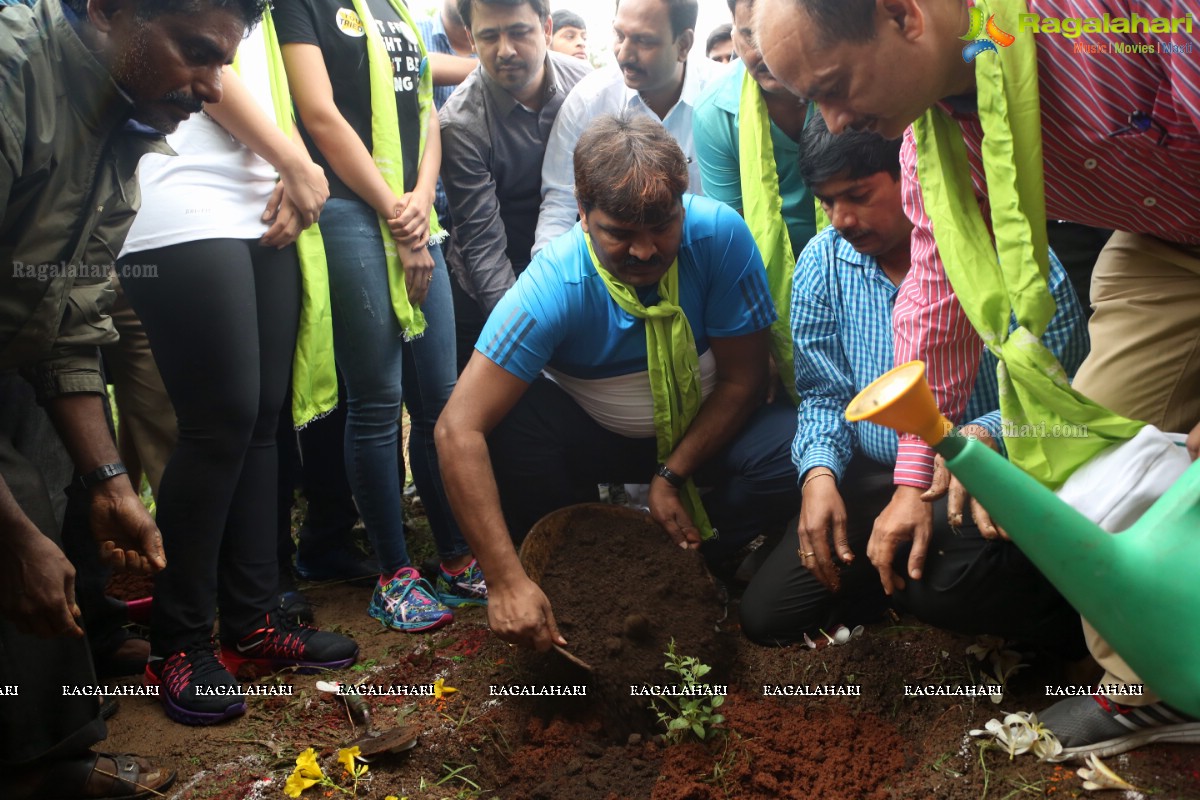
[{"x": 475, "y": 744}]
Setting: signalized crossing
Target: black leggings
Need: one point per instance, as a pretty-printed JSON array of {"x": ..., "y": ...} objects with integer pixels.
[{"x": 221, "y": 315}]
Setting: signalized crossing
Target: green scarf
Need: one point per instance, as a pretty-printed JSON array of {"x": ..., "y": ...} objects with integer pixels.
[
  {"x": 387, "y": 152},
  {"x": 762, "y": 208},
  {"x": 674, "y": 369},
  {"x": 993, "y": 282},
  {"x": 314, "y": 377}
]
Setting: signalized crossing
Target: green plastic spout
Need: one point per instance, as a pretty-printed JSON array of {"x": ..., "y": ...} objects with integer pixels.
[{"x": 1140, "y": 589}]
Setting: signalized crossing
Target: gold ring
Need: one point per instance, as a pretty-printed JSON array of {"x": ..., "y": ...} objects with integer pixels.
[
  {"x": 804, "y": 555},
  {"x": 430, "y": 278}
]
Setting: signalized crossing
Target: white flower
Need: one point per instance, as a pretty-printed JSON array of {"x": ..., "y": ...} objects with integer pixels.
[
  {"x": 1021, "y": 733},
  {"x": 1100, "y": 777}
]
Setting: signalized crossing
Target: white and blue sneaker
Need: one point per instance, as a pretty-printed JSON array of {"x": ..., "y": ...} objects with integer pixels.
[
  {"x": 465, "y": 587},
  {"x": 405, "y": 602}
]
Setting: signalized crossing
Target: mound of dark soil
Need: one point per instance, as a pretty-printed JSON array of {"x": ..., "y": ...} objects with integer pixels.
[{"x": 621, "y": 592}]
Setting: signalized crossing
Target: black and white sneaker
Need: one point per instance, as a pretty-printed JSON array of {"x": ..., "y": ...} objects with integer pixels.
[
  {"x": 284, "y": 643},
  {"x": 1098, "y": 726}
]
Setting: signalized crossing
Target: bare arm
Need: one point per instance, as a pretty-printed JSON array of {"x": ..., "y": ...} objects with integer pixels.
[
  {"x": 518, "y": 610},
  {"x": 411, "y": 225},
  {"x": 483, "y": 397},
  {"x": 304, "y": 184},
  {"x": 337, "y": 141},
  {"x": 741, "y": 389},
  {"x": 128, "y": 536},
  {"x": 450, "y": 70},
  {"x": 37, "y": 582}
]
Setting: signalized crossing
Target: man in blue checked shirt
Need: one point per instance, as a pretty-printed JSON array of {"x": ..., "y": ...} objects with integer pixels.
[{"x": 845, "y": 284}]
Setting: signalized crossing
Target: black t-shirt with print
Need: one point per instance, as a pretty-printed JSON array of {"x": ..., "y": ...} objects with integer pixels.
[{"x": 333, "y": 26}]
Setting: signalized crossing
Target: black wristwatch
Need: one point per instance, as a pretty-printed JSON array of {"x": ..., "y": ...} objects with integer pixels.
[
  {"x": 99, "y": 475},
  {"x": 671, "y": 477}
]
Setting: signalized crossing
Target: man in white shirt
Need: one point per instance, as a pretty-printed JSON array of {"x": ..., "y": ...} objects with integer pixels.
[{"x": 653, "y": 76}]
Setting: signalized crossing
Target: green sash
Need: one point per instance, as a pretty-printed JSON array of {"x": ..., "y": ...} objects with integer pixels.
[
  {"x": 674, "y": 369},
  {"x": 387, "y": 152},
  {"x": 762, "y": 208},
  {"x": 314, "y": 378},
  {"x": 993, "y": 282}
]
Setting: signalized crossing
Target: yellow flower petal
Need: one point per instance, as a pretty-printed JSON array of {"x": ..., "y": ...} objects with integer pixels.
[
  {"x": 307, "y": 766},
  {"x": 346, "y": 758},
  {"x": 297, "y": 783},
  {"x": 440, "y": 689}
]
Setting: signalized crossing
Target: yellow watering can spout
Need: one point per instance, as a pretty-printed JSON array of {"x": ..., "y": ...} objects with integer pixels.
[
  {"x": 901, "y": 399},
  {"x": 1138, "y": 589}
]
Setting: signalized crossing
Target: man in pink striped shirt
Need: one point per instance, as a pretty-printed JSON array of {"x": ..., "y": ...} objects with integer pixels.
[{"x": 1120, "y": 113}]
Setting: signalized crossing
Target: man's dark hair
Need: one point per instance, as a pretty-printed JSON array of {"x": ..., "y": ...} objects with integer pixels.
[
  {"x": 630, "y": 168},
  {"x": 721, "y": 33},
  {"x": 847, "y": 156},
  {"x": 250, "y": 10},
  {"x": 540, "y": 7},
  {"x": 682, "y": 13},
  {"x": 567, "y": 19},
  {"x": 842, "y": 20}
]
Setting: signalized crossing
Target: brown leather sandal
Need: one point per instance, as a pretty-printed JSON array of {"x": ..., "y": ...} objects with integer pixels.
[{"x": 96, "y": 776}]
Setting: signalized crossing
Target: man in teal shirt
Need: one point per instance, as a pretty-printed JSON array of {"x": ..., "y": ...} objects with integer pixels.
[{"x": 715, "y": 126}]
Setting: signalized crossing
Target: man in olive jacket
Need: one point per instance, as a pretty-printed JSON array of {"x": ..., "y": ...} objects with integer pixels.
[{"x": 85, "y": 91}]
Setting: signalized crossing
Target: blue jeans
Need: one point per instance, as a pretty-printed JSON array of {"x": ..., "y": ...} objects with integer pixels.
[{"x": 381, "y": 370}]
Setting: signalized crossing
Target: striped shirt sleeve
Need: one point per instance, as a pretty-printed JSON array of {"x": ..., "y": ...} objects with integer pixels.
[{"x": 931, "y": 326}]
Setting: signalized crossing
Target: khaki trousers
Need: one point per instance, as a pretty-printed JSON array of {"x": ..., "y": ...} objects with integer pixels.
[
  {"x": 146, "y": 426},
  {"x": 1145, "y": 359}
]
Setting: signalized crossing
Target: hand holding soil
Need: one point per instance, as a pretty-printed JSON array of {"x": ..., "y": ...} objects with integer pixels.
[
  {"x": 822, "y": 519},
  {"x": 669, "y": 512}
]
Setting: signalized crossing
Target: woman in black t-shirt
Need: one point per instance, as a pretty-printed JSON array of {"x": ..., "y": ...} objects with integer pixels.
[{"x": 325, "y": 51}]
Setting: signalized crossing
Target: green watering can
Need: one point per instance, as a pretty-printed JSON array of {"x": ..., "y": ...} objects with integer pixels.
[{"x": 1140, "y": 589}]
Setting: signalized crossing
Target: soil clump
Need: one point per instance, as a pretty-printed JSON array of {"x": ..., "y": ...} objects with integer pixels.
[{"x": 621, "y": 591}]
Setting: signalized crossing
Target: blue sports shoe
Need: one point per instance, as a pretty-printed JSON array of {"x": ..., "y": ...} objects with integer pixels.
[
  {"x": 463, "y": 588},
  {"x": 407, "y": 603}
]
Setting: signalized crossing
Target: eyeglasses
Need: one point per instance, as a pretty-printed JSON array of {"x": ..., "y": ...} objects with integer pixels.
[{"x": 1140, "y": 122}]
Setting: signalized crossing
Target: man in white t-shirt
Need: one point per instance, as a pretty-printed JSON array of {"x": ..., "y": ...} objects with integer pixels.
[{"x": 653, "y": 76}]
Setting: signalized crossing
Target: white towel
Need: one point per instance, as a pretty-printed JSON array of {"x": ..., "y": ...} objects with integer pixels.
[{"x": 1120, "y": 484}]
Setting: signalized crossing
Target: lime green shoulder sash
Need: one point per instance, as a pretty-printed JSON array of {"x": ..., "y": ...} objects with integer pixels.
[
  {"x": 674, "y": 368},
  {"x": 314, "y": 377},
  {"x": 386, "y": 150},
  {"x": 762, "y": 208},
  {"x": 994, "y": 282}
]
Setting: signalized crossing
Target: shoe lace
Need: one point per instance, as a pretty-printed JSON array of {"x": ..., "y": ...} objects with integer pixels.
[
  {"x": 470, "y": 579},
  {"x": 188, "y": 667},
  {"x": 285, "y": 636},
  {"x": 1110, "y": 706},
  {"x": 409, "y": 586}
]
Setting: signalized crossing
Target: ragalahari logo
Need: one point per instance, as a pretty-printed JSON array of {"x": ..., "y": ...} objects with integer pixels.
[{"x": 995, "y": 36}]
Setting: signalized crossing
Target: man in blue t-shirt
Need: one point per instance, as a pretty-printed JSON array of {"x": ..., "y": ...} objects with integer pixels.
[{"x": 560, "y": 389}]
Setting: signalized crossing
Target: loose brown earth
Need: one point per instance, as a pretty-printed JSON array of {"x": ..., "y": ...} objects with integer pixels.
[{"x": 474, "y": 744}]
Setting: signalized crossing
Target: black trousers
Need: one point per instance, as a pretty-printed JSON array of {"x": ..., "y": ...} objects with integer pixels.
[
  {"x": 221, "y": 315},
  {"x": 39, "y": 722},
  {"x": 969, "y": 585},
  {"x": 548, "y": 453}
]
